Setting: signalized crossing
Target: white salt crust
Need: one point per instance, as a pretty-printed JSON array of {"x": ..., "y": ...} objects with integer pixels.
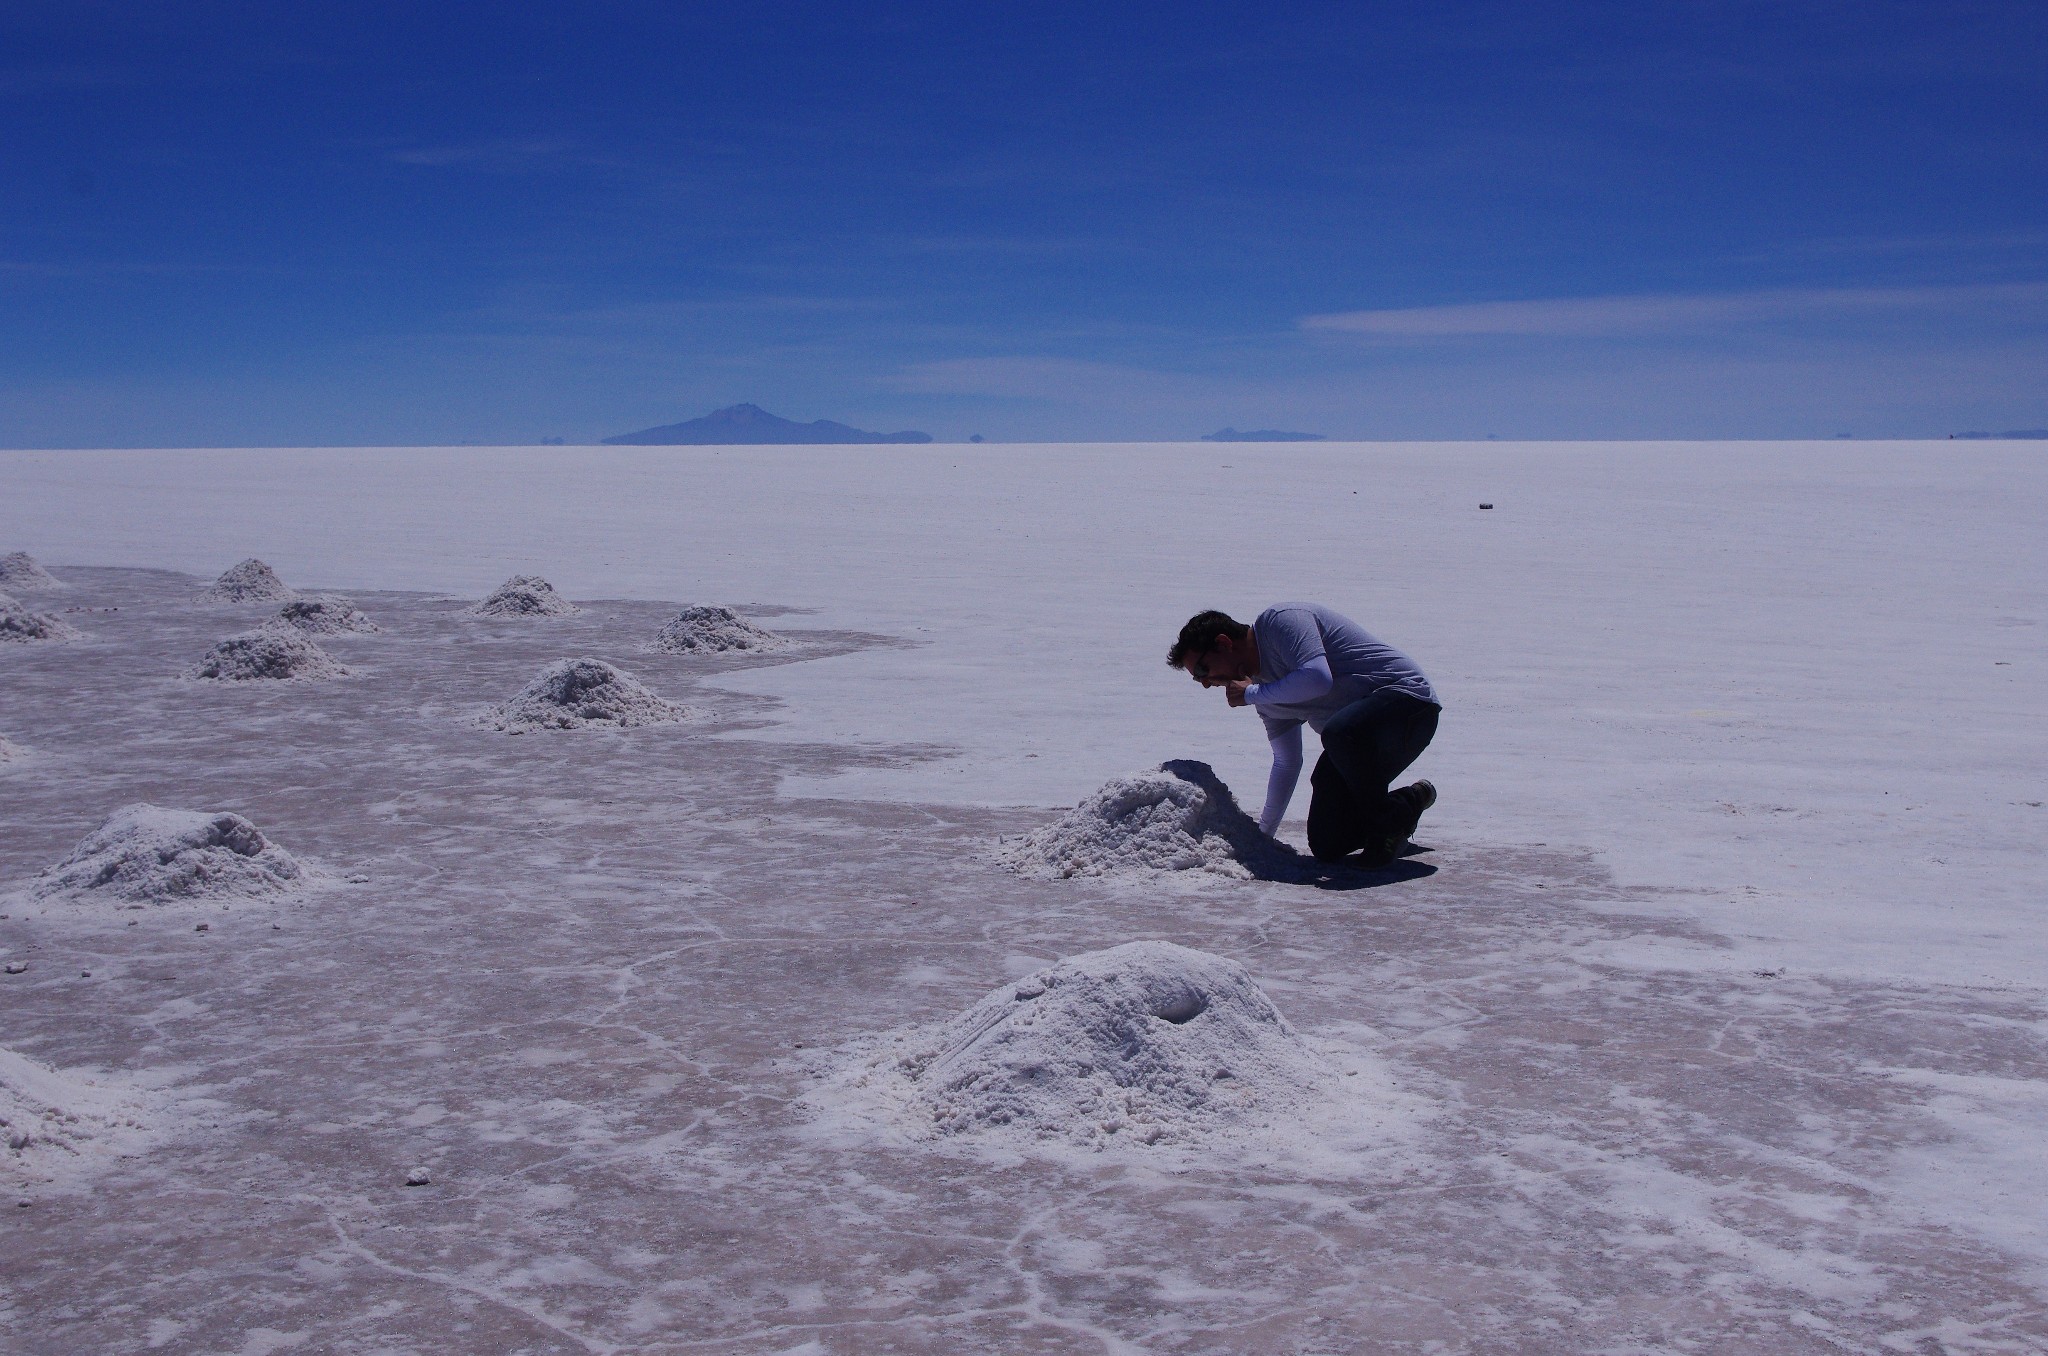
[
  {"x": 249, "y": 582},
  {"x": 21, "y": 626},
  {"x": 273, "y": 652},
  {"x": 524, "y": 595},
  {"x": 1177, "y": 817},
  {"x": 63, "y": 1127},
  {"x": 325, "y": 614},
  {"x": 9, "y": 750},
  {"x": 575, "y": 694},
  {"x": 148, "y": 855},
  {"x": 712, "y": 629},
  {"x": 19, "y": 573}
]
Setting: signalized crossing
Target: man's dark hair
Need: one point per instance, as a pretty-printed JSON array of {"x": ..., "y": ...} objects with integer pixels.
[{"x": 1199, "y": 636}]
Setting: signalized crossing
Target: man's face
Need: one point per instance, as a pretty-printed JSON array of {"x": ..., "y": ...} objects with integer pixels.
[{"x": 1225, "y": 663}]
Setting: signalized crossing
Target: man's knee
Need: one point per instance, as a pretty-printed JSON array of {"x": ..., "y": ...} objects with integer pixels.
[{"x": 1327, "y": 843}]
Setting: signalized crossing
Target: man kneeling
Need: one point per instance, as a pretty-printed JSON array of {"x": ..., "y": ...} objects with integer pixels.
[{"x": 1371, "y": 704}]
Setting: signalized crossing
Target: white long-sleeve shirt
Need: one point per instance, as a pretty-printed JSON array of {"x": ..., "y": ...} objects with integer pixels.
[{"x": 1297, "y": 642}]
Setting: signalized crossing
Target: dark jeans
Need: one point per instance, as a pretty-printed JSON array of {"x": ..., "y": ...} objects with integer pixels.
[{"x": 1365, "y": 746}]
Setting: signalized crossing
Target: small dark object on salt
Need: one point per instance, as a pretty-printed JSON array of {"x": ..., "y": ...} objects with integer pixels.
[{"x": 1486, "y": 506}]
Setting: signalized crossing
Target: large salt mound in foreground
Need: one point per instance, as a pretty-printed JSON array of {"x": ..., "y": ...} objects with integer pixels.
[
  {"x": 524, "y": 595},
  {"x": 61, "y": 1127},
  {"x": 270, "y": 653},
  {"x": 324, "y": 614},
  {"x": 19, "y": 624},
  {"x": 1179, "y": 817},
  {"x": 145, "y": 854},
  {"x": 19, "y": 573},
  {"x": 711, "y": 629},
  {"x": 574, "y": 694},
  {"x": 249, "y": 582},
  {"x": 1145, "y": 1043}
]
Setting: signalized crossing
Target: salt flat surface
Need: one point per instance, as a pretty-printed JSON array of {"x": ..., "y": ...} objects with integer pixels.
[{"x": 1711, "y": 1041}]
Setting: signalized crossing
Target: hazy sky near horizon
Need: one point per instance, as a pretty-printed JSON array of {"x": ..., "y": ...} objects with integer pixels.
[{"x": 318, "y": 223}]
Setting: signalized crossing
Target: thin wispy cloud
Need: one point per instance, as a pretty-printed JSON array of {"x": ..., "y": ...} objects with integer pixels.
[
  {"x": 502, "y": 155},
  {"x": 33, "y": 80},
  {"x": 1629, "y": 316}
]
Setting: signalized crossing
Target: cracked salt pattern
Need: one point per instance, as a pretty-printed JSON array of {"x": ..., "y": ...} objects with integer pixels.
[{"x": 588, "y": 993}]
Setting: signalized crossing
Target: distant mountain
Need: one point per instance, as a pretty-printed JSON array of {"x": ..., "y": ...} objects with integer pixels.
[
  {"x": 750, "y": 424},
  {"x": 2009, "y": 433},
  {"x": 1264, "y": 435}
]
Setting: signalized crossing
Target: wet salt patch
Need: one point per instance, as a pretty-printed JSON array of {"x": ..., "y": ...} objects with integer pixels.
[
  {"x": 575, "y": 694},
  {"x": 1148, "y": 1048},
  {"x": 19, "y": 573},
  {"x": 325, "y": 614},
  {"x": 1177, "y": 817},
  {"x": 712, "y": 629},
  {"x": 20, "y": 625},
  {"x": 524, "y": 595},
  {"x": 251, "y": 581},
  {"x": 63, "y": 1127},
  {"x": 273, "y": 652},
  {"x": 143, "y": 855}
]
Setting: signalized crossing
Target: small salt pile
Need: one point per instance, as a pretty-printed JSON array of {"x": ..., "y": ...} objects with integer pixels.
[
  {"x": 711, "y": 629},
  {"x": 325, "y": 614},
  {"x": 249, "y": 582},
  {"x": 19, "y": 573},
  {"x": 20, "y": 625},
  {"x": 524, "y": 595},
  {"x": 9, "y": 750},
  {"x": 272, "y": 652},
  {"x": 1145, "y": 1043},
  {"x": 1179, "y": 817},
  {"x": 574, "y": 694},
  {"x": 146, "y": 854}
]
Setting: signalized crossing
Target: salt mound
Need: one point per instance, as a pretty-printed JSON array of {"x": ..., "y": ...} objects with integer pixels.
[
  {"x": 273, "y": 651},
  {"x": 9, "y": 750},
  {"x": 1149, "y": 1042},
  {"x": 249, "y": 582},
  {"x": 573, "y": 694},
  {"x": 61, "y": 1126},
  {"x": 19, "y": 624},
  {"x": 145, "y": 854},
  {"x": 712, "y": 629},
  {"x": 1180, "y": 817},
  {"x": 524, "y": 595},
  {"x": 325, "y": 614},
  {"x": 19, "y": 573}
]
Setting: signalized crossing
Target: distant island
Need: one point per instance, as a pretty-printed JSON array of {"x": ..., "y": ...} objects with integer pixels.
[
  {"x": 1263, "y": 435},
  {"x": 750, "y": 424}
]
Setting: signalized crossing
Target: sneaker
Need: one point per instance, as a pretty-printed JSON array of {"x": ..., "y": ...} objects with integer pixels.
[{"x": 1417, "y": 796}]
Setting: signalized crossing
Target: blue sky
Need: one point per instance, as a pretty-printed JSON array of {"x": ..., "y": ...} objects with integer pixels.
[{"x": 322, "y": 223}]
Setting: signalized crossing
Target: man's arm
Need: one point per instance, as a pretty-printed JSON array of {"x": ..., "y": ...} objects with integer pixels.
[
  {"x": 1312, "y": 680},
  {"x": 1280, "y": 781}
]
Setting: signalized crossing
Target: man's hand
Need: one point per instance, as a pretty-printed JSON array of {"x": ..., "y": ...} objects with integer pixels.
[{"x": 1233, "y": 691}]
